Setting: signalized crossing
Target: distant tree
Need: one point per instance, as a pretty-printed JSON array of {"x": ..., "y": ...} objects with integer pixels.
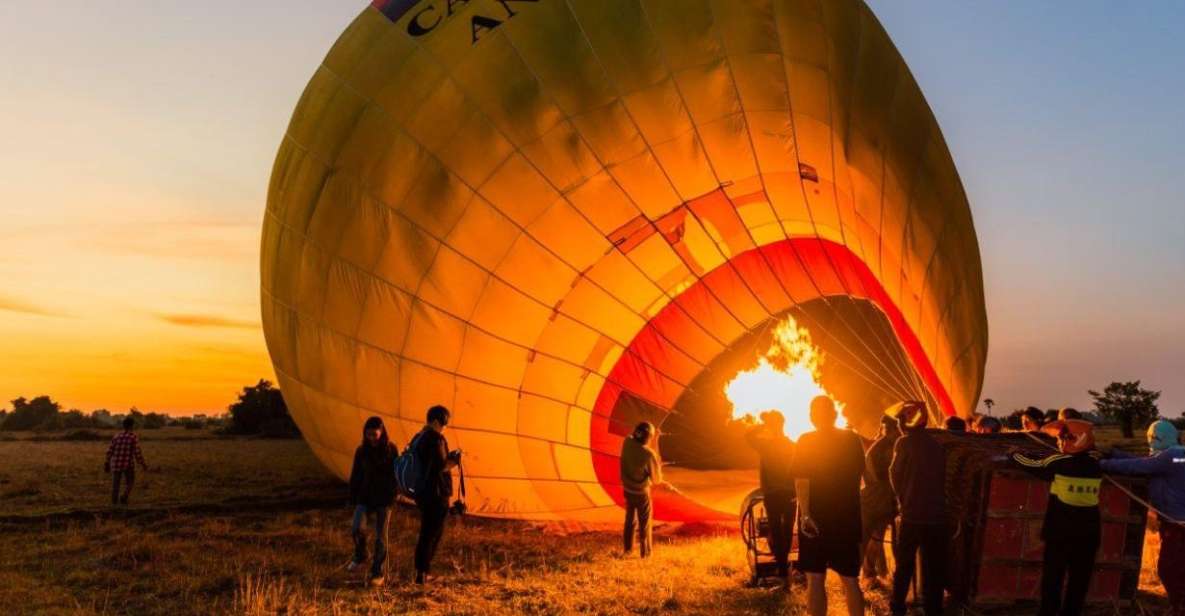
[
  {"x": 260, "y": 409},
  {"x": 102, "y": 418},
  {"x": 3, "y": 416},
  {"x": 154, "y": 421},
  {"x": 989, "y": 403},
  {"x": 1127, "y": 404},
  {"x": 31, "y": 414},
  {"x": 73, "y": 419}
]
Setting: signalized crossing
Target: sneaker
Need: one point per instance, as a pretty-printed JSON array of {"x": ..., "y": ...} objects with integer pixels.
[
  {"x": 353, "y": 566},
  {"x": 421, "y": 577},
  {"x": 377, "y": 581}
]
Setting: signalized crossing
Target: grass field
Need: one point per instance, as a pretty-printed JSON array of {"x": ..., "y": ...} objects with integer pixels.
[{"x": 257, "y": 526}]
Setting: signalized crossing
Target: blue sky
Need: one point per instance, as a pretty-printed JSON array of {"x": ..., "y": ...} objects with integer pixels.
[{"x": 136, "y": 140}]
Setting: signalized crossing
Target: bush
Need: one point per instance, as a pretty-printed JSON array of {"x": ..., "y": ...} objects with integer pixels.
[
  {"x": 83, "y": 435},
  {"x": 192, "y": 424}
]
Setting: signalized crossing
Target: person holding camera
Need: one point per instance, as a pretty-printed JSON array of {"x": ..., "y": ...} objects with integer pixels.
[{"x": 436, "y": 486}]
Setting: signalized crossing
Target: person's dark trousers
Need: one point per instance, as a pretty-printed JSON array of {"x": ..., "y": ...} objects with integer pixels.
[
  {"x": 129, "y": 477},
  {"x": 381, "y": 522},
  {"x": 637, "y": 506},
  {"x": 433, "y": 512},
  {"x": 780, "y": 509},
  {"x": 931, "y": 540},
  {"x": 1171, "y": 565},
  {"x": 1069, "y": 562}
]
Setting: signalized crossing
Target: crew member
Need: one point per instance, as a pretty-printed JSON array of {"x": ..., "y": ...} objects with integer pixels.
[
  {"x": 828, "y": 464},
  {"x": 1031, "y": 419},
  {"x": 918, "y": 474},
  {"x": 877, "y": 506},
  {"x": 776, "y": 451},
  {"x": 1165, "y": 469},
  {"x": 1071, "y": 529},
  {"x": 640, "y": 469}
]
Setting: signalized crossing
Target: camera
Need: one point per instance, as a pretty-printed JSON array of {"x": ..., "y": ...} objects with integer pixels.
[
  {"x": 455, "y": 455},
  {"x": 458, "y": 508}
]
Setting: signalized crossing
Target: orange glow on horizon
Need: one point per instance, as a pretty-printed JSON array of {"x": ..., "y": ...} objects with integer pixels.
[{"x": 786, "y": 379}]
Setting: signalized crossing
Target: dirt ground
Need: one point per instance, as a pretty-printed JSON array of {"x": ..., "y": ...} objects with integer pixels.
[{"x": 257, "y": 527}]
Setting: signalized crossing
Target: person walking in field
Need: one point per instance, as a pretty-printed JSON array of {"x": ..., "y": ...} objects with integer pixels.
[
  {"x": 1165, "y": 470},
  {"x": 918, "y": 475},
  {"x": 877, "y": 507},
  {"x": 1071, "y": 530},
  {"x": 641, "y": 468},
  {"x": 775, "y": 451},
  {"x": 122, "y": 455},
  {"x": 828, "y": 464},
  {"x": 372, "y": 492},
  {"x": 435, "y": 486}
]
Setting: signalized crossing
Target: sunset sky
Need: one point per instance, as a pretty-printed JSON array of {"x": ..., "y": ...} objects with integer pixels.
[{"x": 136, "y": 140}]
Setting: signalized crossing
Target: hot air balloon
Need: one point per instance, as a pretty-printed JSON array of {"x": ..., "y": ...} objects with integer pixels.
[{"x": 554, "y": 216}]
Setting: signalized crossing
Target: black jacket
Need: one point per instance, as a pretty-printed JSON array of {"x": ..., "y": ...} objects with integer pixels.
[
  {"x": 436, "y": 481},
  {"x": 372, "y": 479},
  {"x": 918, "y": 475},
  {"x": 1073, "y": 510},
  {"x": 776, "y": 451}
]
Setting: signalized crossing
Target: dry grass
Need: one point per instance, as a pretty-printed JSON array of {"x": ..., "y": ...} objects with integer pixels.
[{"x": 280, "y": 558}]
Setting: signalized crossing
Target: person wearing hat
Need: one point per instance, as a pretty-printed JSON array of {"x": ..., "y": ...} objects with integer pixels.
[
  {"x": 918, "y": 476},
  {"x": 1165, "y": 469},
  {"x": 640, "y": 469},
  {"x": 372, "y": 491},
  {"x": 877, "y": 505},
  {"x": 1072, "y": 523},
  {"x": 775, "y": 451}
]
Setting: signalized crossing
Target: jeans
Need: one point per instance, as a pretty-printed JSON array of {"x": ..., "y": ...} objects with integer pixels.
[
  {"x": 637, "y": 505},
  {"x": 129, "y": 476},
  {"x": 1068, "y": 561},
  {"x": 780, "y": 510},
  {"x": 433, "y": 513},
  {"x": 382, "y": 520},
  {"x": 931, "y": 540}
]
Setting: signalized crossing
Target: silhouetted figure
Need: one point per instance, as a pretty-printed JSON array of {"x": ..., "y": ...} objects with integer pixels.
[
  {"x": 122, "y": 455},
  {"x": 829, "y": 463},
  {"x": 955, "y": 424},
  {"x": 776, "y": 452},
  {"x": 918, "y": 474},
  {"x": 1072, "y": 526},
  {"x": 989, "y": 425},
  {"x": 372, "y": 491},
  {"x": 877, "y": 505},
  {"x": 1032, "y": 419},
  {"x": 436, "y": 487},
  {"x": 640, "y": 469}
]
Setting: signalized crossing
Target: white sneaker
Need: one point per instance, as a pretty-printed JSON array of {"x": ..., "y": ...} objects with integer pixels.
[{"x": 353, "y": 566}]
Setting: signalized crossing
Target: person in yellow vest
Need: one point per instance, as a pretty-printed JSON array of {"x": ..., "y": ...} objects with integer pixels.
[
  {"x": 1072, "y": 526},
  {"x": 640, "y": 469}
]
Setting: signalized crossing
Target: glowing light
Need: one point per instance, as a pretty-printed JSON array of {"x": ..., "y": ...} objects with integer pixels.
[{"x": 786, "y": 379}]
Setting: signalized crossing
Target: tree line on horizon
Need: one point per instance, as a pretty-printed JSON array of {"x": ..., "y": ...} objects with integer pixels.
[
  {"x": 1123, "y": 403},
  {"x": 259, "y": 410}
]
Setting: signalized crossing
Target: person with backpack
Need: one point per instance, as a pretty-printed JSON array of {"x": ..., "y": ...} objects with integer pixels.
[
  {"x": 918, "y": 477},
  {"x": 372, "y": 491},
  {"x": 1165, "y": 469},
  {"x": 1072, "y": 526},
  {"x": 122, "y": 456},
  {"x": 434, "y": 486},
  {"x": 640, "y": 468},
  {"x": 775, "y": 451}
]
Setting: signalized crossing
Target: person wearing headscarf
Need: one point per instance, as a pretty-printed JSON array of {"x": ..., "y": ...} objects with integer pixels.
[
  {"x": 372, "y": 491},
  {"x": 1165, "y": 469},
  {"x": 918, "y": 475},
  {"x": 1072, "y": 526},
  {"x": 640, "y": 469}
]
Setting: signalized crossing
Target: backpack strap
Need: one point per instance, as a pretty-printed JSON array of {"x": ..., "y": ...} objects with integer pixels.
[{"x": 461, "y": 470}]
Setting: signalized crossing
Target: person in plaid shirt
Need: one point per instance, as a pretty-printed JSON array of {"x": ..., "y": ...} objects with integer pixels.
[{"x": 121, "y": 457}]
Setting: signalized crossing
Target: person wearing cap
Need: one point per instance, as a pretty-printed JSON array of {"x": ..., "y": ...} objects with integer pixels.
[
  {"x": 435, "y": 486},
  {"x": 828, "y": 465},
  {"x": 372, "y": 491},
  {"x": 640, "y": 469},
  {"x": 1165, "y": 469},
  {"x": 775, "y": 451},
  {"x": 918, "y": 476},
  {"x": 1072, "y": 523},
  {"x": 877, "y": 505}
]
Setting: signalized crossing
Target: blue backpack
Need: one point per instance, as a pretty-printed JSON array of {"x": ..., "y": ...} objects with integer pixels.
[{"x": 408, "y": 469}]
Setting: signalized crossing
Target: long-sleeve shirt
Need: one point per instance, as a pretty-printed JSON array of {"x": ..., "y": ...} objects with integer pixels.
[
  {"x": 436, "y": 480},
  {"x": 1073, "y": 510},
  {"x": 1165, "y": 471},
  {"x": 124, "y": 451},
  {"x": 372, "y": 477},
  {"x": 775, "y": 451},
  {"x": 918, "y": 475},
  {"x": 640, "y": 467}
]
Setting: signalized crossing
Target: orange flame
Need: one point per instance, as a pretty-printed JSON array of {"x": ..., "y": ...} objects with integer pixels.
[{"x": 785, "y": 379}]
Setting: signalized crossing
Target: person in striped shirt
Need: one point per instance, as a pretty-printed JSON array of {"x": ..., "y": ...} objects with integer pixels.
[{"x": 122, "y": 456}]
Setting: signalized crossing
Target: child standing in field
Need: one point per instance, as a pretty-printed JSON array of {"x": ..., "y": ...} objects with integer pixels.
[
  {"x": 372, "y": 490},
  {"x": 122, "y": 455}
]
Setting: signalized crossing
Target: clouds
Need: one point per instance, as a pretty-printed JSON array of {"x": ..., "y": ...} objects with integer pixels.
[
  {"x": 207, "y": 320},
  {"x": 12, "y": 304}
]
